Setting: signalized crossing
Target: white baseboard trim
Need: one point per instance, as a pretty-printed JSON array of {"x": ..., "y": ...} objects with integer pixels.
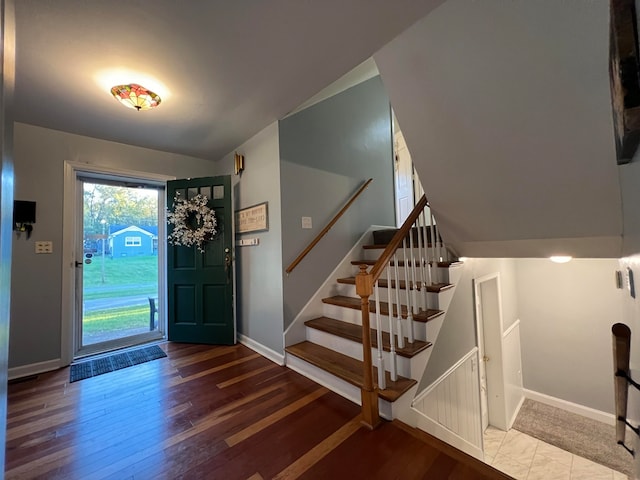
[
  {"x": 588, "y": 412},
  {"x": 261, "y": 349},
  {"x": 34, "y": 368}
]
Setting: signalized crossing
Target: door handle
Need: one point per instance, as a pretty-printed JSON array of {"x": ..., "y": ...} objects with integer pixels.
[
  {"x": 78, "y": 264},
  {"x": 227, "y": 267}
]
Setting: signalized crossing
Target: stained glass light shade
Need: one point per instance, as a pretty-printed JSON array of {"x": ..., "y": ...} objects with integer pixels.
[{"x": 136, "y": 96}]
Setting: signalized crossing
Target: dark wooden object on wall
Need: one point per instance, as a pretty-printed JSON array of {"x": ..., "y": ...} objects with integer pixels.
[{"x": 625, "y": 80}]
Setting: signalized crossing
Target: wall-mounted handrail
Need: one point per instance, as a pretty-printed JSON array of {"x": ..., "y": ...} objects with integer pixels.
[
  {"x": 324, "y": 231},
  {"x": 621, "y": 352}
]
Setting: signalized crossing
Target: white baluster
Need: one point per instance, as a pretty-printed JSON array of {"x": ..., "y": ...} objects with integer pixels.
[
  {"x": 420, "y": 272},
  {"x": 427, "y": 264},
  {"x": 433, "y": 244},
  {"x": 412, "y": 266},
  {"x": 400, "y": 332},
  {"x": 423, "y": 241},
  {"x": 408, "y": 295},
  {"x": 382, "y": 378},
  {"x": 393, "y": 366}
]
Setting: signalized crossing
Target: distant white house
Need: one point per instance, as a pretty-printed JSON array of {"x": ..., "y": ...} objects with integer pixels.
[{"x": 133, "y": 241}]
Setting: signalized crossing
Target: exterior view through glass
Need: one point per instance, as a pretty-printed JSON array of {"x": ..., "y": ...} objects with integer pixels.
[{"x": 120, "y": 262}]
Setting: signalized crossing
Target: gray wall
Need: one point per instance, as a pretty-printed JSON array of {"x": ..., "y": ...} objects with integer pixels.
[
  {"x": 566, "y": 312},
  {"x": 327, "y": 151},
  {"x": 36, "y": 279},
  {"x": 259, "y": 268},
  {"x": 458, "y": 333},
  {"x": 629, "y": 181}
]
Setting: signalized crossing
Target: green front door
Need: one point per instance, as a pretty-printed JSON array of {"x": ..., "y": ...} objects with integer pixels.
[{"x": 200, "y": 284}]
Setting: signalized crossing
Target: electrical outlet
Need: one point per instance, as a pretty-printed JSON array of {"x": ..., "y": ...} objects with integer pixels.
[
  {"x": 306, "y": 222},
  {"x": 44, "y": 247}
]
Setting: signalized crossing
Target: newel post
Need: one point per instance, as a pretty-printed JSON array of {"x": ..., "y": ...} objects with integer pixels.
[{"x": 369, "y": 393}]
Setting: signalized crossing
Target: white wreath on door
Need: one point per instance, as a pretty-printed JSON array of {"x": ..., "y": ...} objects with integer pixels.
[{"x": 194, "y": 223}]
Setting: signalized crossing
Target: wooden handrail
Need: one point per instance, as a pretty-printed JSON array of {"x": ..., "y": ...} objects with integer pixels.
[
  {"x": 395, "y": 242},
  {"x": 324, "y": 231},
  {"x": 621, "y": 351}
]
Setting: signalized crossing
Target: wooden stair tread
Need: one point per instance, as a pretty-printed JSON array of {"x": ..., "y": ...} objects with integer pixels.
[
  {"x": 355, "y": 303},
  {"x": 379, "y": 246},
  {"x": 353, "y": 332},
  {"x": 401, "y": 263},
  {"x": 382, "y": 246},
  {"x": 347, "y": 368},
  {"x": 363, "y": 262},
  {"x": 433, "y": 288},
  {"x": 453, "y": 263}
]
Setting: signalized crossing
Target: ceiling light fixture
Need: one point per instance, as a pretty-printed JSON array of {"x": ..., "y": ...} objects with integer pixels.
[
  {"x": 560, "y": 258},
  {"x": 136, "y": 96}
]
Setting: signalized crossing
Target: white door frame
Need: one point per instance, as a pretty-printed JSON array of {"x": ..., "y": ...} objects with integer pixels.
[
  {"x": 402, "y": 161},
  {"x": 489, "y": 332},
  {"x": 69, "y": 228},
  {"x": 482, "y": 370}
]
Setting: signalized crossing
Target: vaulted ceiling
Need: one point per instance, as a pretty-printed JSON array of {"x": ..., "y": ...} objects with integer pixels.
[
  {"x": 506, "y": 109},
  {"x": 505, "y": 106},
  {"x": 224, "y": 68}
]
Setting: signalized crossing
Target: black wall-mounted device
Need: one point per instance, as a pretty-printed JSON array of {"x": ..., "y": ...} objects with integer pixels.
[{"x": 24, "y": 215}]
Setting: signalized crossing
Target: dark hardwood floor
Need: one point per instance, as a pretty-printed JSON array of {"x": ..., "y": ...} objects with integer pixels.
[{"x": 210, "y": 413}]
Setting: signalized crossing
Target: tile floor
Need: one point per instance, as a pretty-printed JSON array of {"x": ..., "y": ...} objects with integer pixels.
[{"x": 527, "y": 458}]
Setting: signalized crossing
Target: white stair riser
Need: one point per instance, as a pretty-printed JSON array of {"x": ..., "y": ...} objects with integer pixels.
[
  {"x": 348, "y": 315},
  {"x": 419, "y": 273},
  {"x": 438, "y": 275},
  {"x": 354, "y": 350},
  {"x": 444, "y": 298},
  {"x": 353, "y": 316},
  {"x": 451, "y": 275},
  {"x": 419, "y": 298},
  {"x": 344, "y": 289},
  {"x": 374, "y": 253}
]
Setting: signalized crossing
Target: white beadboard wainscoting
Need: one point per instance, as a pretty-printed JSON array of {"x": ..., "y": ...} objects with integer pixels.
[{"x": 450, "y": 407}]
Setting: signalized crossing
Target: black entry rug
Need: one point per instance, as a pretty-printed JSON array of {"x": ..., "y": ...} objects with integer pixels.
[
  {"x": 93, "y": 368},
  {"x": 574, "y": 433}
]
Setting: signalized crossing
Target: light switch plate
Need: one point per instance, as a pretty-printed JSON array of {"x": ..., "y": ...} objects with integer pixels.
[
  {"x": 306, "y": 222},
  {"x": 248, "y": 242},
  {"x": 44, "y": 247}
]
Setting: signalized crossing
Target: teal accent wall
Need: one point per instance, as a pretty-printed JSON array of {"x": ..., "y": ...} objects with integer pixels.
[{"x": 326, "y": 152}]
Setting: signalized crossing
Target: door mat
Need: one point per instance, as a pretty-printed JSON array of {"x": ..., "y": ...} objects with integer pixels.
[
  {"x": 93, "y": 368},
  {"x": 574, "y": 433}
]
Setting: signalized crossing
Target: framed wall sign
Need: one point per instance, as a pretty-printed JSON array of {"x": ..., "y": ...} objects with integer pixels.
[{"x": 253, "y": 219}]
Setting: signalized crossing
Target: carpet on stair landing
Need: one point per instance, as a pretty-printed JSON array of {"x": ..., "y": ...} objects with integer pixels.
[
  {"x": 116, "y": 361},
  {"x": 582, "y": 436}
]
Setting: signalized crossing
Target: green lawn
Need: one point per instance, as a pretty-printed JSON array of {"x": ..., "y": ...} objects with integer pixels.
[
  {"x": 118, "y": 318},
  {"x": 123, "y": 277}
]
